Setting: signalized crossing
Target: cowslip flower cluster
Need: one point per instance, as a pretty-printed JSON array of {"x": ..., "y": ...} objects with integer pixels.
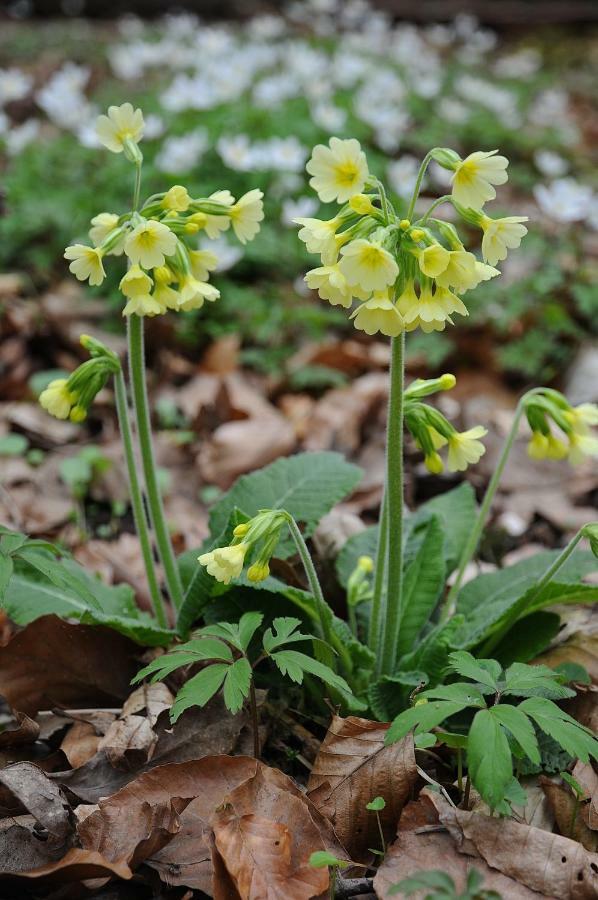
[
  {"x": 547, "y": 409},
  {"x": 257, "y": 538},
  {"x": 70, "y": 398},
  {"x": 166, "y": 272},
  {"x": 432, "y": 431},
  {"x": 404, "y": 274}
]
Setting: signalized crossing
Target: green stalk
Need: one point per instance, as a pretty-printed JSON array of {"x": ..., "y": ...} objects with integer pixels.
[
  {"x": 139, "y": 516},
  {"x": 516, "y": 611},
  {"x": 447, "y": 198},
  {"x": 148, "y": 462},
  {"x": 392, "y": 603},
  {"x": 378, "y": 586},
  {"x": 418, "y": 184}
]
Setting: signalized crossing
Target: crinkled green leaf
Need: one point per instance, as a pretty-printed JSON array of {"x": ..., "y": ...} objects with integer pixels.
[
  {"x": 389, "y": 694},
  {"x": 422, "y": 586},
  {"x": 528, "y": 638},
  {"x": 572, "y": 737}
]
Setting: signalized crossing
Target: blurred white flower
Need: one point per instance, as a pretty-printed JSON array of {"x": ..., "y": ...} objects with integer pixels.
[
  {"x": 14, "y": 85},
  {"x": 274, "y": 89},
  {"x": 182, "y": 154},
  {"x": 62, "y": 98},
  {"x": 292, "y": 209},
  {"x": 284, "y": 154},
  {"x": 154, "y": 127},
  {"x": 521, "y": 64},
  {"x": 402, "y": 174},
  {"x": 550, "y": 164},
  {"x": 328, "y": 117},
  {"x": 454, "y": 110},
  {"x": 18, "y": 137},
  {"x": 236, "y": 152},
  {"x": 565, "y": 200},
  {"x": 228, "y": 254}
]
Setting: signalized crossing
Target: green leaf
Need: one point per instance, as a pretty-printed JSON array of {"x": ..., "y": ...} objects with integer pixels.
[
  {"x": 425, "y": 740},
  {"x": 389, "y": 694},
  {"x": 307, "y": 485},
  {"x": 528, "y": 638},
  {"x": 236, "y": 684},
  {"x": 248, "y": 625},
  {"x": 294, "y": 664},
  {"x": 535, "y": 681},
  {"x": 489, "y": 758},
  {"x": 199, "y": 689},
  {"x": 513, "y": 718},
  {"x": 363, "y": 544},
  {"x": 434, "y": 879},
  {"x": 422, "y": 586},
  {"x": 184, "y": 655},
  {"x": 284, "y": 633},
  {"x": 572, "y": 737},
  {"x": 485, "y": 671},
  {"x": 456, "y": 510},
  {"x": 6, "y": 571},
  {"x": 422, "y": 717},
  {"x": 320, "y": 859},
  {"x": 376, "y": 804},
  {"x": 60, "y": 575},
  {"x": 461, "y": 691},
  {"x": 432, "y": 653},
  {"x": 13, "y": 445}
]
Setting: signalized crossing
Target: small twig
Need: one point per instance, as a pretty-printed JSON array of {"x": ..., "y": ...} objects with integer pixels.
[
  {"x": 352, "y": 887},
  {"x": 466, "y": 794}
]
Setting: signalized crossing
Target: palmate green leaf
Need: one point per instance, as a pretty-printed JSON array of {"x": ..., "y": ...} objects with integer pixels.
[
  {"x": 239, "y": 635},
  {"x": 515, "y": 720},
  {"x": 199, "y": 689},
  {"x": 535, "y": 681},
  {"x": 462, "y": 692},
  {"x": 307, "y": 485},
  {"x": 295, "y": 664},
  {"x": 184, "y": 655},
  {"x": 572, "y": 737},
  {"x": 283, "y": 632},
  {"x": 423, "y": 717},
  {"x": 422, "y": 586},
  {"x": 485, "y": 671},
  {"x": 236, "y": 684},
  {"x": 489, "y": 758},
  {"x": 6, "y": 570},
  {"x": 248, "y": 625}
]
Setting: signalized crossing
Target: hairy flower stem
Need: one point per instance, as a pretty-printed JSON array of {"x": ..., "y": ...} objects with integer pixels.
[
  {"x": 139, "y": 516},
  {"x": 448, "y": 607},
  {"x": 144, "y": 433},
  {"x": 418, "y": 183},
  {"x": 392, "y": 601},
  {"x": 379, "y": 573},
  {"x": 516, "y": 611}
]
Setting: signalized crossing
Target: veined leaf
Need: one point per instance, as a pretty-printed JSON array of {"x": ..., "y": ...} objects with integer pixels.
[
  {"x": 184, "y": 655},
  {"x": 61, "y": 575},
  {"x": 283, "y": 632},
  {"x": 236, "y": 684},
  {"x": 422, "y": 586},
  {"x": 456, "y": 510},
  {"x": 513, "y": 718},
  {"x": 6, "y": 570},
  {"x": 528, "y": 638},
  {"x": 199, "y": 689},
  {"x": 489, "y": 758},
  {"x": 248, "y": 625},
  {"x": 485, "y": 671},
  {"x": 572, "y": 737},
  {"x": 462, "y": 692},
  {"x": 534, "y": 681},
  {"x": 295, "y": 664},
  {"x": 423, "y": 717},
  {"x": 389, "y": 694}
]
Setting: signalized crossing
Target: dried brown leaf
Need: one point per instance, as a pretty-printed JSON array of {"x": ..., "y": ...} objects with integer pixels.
[
  {"x": 41, "y": 797},
  {"x": 26, "y": 732},
  {"x": 128, "y": 743},
  {"x": 55, "y": 663},
  {"x": 76, "y": 865},
  {"x": 80, "y": 743},
  {"x": 568, "y": 814},
  {"x": 238, "y": 447},
  {"x": 357, "y": 766},
  {"x": 588, "y": 780}
]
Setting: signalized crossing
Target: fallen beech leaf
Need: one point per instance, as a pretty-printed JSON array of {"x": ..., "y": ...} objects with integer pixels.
[
  {"x": 76, "y": 865},
  {"x": 26, "y": 732},
  {"x": 337, "y": 419},
  {"x": 41, "y": 797},
  {"x": 357, "y": 766},
  {"x": 128, "y": 742},
  {"x": 547, "y": 863},
  {"x": 257, "y": 853},
  {"x": 153, "y": 698},
  {"x": 80, "y": 743},
  {"x": 54, "y": 663},
  {"x": 416, "y": 851},
  {"x": 581, "y": 648},
  {"x": 588, "y": 780},
  {"x": 569, "y": 820},
  {"x": 238, "y": 447},
  {"x": 21, "y": 848}
]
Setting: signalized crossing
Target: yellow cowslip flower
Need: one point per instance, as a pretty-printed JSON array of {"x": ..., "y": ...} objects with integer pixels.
[
  {"x": 225, "y": 563},
  {"x": 582, "y": 417},
  {"x": 319, "y": 236},
  {"x": 57, "y": 399},
  {"x": 166, "y": 296},
  {"x": 546, "y": 446},
  {"x": 464, "y": 272},
  {"x": 149, "y": 243},
  {"x": 246, "y": 214},
  {"x": 339, "y": 171},
  {"x": 465, "y": 448},
  {"x": 501, "y": 235},
  {"x": 474, "y": 176},
  {"x": 362, "y": 205},
  {"x": 215, "y": 225},
  {"x": 176, "y": 199},
  {"x": 86, "y": 263},
  {"x": 259, "y": 571},
  {"x": 102, "y": 225},
  {"x": 378, "y": 315},
  {"x": 433, "y": 260},
  {"x": 430, "y": 311},
  {"x": 580, "y": 446},
  {"x": 368, "y": 265},
  {"x": 193, "y": 293},
  {"x": 202, "y": 263},
  {"x": 331, "y": 285},
  {"x": 433, "y": 463},
  {"x": 136, "y": 285},
  {"x": 123, "y": 123}
]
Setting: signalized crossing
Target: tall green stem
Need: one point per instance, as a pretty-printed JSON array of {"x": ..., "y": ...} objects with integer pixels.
[
  {"x": 392, "y": 605},
  {"x": 148, "y": 462},
  {"x": 139, "y": 516},
  {"x": 418, "y": 184},
  {"x": 516, "y": 611},
  {"x": 448, "y": 607},
  {"x": 379, "y": 573}
]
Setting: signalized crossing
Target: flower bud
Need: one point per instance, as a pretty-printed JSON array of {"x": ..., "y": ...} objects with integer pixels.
[
  {"x": 590, "y": 531},
  {"x": 445, "y": 157},
  {"x": 259, "y": 571},
  {"x": 362, "y": 204},
  {"x": 366, "y": 564}
]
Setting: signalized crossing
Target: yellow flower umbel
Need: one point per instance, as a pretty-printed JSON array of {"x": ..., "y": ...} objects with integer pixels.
[
  {"x": 225, "y": 563},
  {"x": 433, "y": 260},
  {"x": 149, "y": 243},
  {"x": 163, "y": 294},
  {"x": 339, "y": 171},
  {"x": 202, "y": 262},
  {"x": 57, "y": 399},
  {"x": 246, "y": 215},
  {"x": 366, "y": 264},
  {"x": 474, "y": 176},
  {"x": 86, "y": 263},
  {"x": 464, "y": 272},
  {"x": 500, "y": 236},
  {"x": 465, "y": 448},
  {"x": 545, "y": 407},
  {"x": 121, "y": 127},
  {"x": 380, "y": 315},
  {"x": 546, "y": 446},
  {"x": 431, "y": 310},
  {"x": 319, "y": 236},
  {"x": 136, "y": 285}
]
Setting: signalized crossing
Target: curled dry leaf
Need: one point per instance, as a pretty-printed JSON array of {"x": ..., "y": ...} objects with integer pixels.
[
  {"x": 420, "y": 846},
  {"x": 80, "y": 743},
  {"x": 51, "y": 663},
  {"x": 41, "y": 797},
  {"x": 354, "y": 766},
  {"x": 586, "y": 777},
  {"x": 26, "y": 732},
  {"x": 128, "y": 743},
  {"x": 76, "y": 865},
  {"x": 548, "y": 863},
  {"x": 238, "y": 447},
  {"x": 568, "y": 814}
]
